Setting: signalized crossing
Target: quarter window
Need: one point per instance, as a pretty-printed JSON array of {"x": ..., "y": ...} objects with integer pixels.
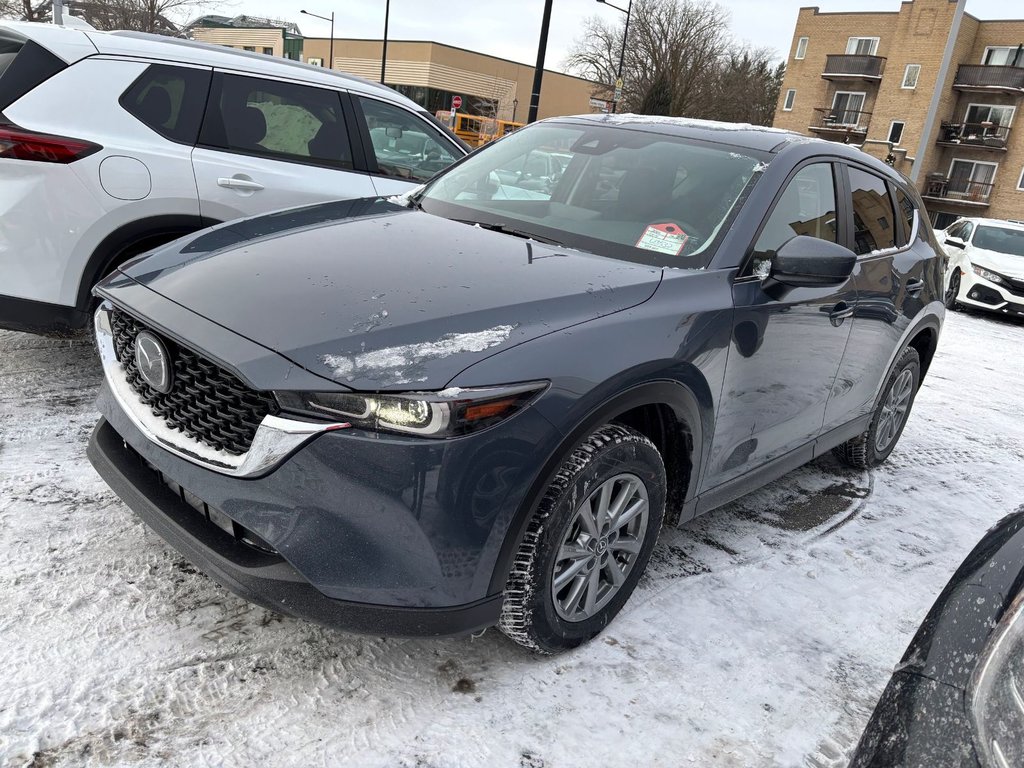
[
  {"x": 807, "y": 207},
  {"x": 404, "y": 145},
  {"x": 911, "y": 75},
  {"x": 801, "y": 48},
  {"x": 279, "y": 120},
  {"x": 169, "y": 100},
  {"x": 873, "y": 214},
  {"x": 790, "y": 99},
  {"x": 906, "y": 209}
]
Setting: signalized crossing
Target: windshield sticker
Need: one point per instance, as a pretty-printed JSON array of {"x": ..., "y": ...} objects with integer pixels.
[{"x": 663, "y": 238}]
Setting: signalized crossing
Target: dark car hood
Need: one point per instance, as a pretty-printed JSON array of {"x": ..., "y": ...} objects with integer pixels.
[{"x": 374, "y": 295}]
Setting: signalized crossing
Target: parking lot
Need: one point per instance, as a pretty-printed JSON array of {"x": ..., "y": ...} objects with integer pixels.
[{"x": 762, "y": 634}]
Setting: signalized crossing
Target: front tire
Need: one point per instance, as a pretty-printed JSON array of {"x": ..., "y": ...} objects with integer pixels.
[
  {"x": 874, "y": 446},
  {"x": 953, "y": 291},
  {"x": 588, "y": 542}
]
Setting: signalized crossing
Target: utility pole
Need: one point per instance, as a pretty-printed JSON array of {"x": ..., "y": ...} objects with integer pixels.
[
  {"x": 538, "y": 74},
  {"x": 384, "y": 50}
]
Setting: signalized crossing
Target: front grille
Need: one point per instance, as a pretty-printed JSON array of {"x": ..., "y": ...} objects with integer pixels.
[
  {"x": 206, "y": 403},
  {"x": 1016, "y": 287}
]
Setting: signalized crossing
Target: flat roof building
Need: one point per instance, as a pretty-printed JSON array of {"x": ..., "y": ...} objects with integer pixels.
[{"x": 929, "y": 86}]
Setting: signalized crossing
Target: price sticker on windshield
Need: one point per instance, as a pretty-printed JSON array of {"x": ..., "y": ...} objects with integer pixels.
[{"x": 665, "y": 238}]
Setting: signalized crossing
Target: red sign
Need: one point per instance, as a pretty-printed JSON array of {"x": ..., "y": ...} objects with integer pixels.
[{"x": 456, "y": 102}]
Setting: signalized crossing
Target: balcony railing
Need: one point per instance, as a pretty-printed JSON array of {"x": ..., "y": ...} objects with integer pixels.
[
  {"x": 853, "y": 67},
  {"x": 959, "y": 190},
  {"x": 841, "y": 120},
  {"x": 984, "y": 77},
  {"x": 983, "y": 135}
]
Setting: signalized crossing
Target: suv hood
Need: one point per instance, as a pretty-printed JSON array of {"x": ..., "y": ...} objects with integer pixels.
[{"x": 376, "y": 296}]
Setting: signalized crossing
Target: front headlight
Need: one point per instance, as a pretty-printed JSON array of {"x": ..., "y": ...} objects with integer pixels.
[
  {"x": 996, "y": 693},
  {"x": 987, "y": 275},
  {"x": 449, "y": 413}
]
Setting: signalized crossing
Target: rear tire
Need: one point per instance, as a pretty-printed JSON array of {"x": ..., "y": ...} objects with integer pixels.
[
  {"x": 577, "y": 565},
  {"x": 874, "y": 446}
]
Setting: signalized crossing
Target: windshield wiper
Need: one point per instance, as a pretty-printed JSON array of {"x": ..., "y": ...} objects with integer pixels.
[{"x": 506, "y": 229}]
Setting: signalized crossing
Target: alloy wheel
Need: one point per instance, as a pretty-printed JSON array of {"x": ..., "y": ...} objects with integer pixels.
[
  {"x": 894, "y": 410},
  {"x": 600, "y": 547},
  {"x": 953, "y": 291}
]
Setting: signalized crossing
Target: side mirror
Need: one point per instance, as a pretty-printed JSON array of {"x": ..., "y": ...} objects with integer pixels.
[
  {"x": 956, "y": 242},
  {"x": 810, "y": 262}
]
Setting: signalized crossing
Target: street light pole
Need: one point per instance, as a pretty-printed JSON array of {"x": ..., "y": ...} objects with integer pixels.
[
  {"x": 538, "y": 73},
  {"x": 628, "y": 10},
  {"x": 384, "y": 50},
  {"x": 330, "y": 64}
]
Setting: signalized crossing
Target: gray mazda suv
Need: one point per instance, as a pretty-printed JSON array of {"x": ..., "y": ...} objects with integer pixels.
[{"x": 480, "y": 402}]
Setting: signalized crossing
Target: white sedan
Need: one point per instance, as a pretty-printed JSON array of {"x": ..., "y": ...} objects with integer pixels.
[{"x": 986, "y": 265}]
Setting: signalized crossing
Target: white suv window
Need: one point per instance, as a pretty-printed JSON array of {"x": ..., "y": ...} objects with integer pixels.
[
  {"x": 283, "y": 121},
  {"x": 405, "y": 146}
]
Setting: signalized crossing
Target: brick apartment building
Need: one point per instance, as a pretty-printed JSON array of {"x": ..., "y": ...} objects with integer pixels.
[{"x": 929, "y": 86}]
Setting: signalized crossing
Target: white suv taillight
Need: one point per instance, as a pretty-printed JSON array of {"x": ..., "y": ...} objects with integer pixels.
[{"x": 19, "y": 144}]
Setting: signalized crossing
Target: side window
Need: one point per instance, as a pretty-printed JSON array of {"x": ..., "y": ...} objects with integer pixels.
[
  {"x": 170, "y": 100},
  {"x": 279, "y": 120},
  {"x": 906, "y": 209},
  {"x": 968, "y": 230},
  {"x": 956, "y": 230},
  {"x": 807, "y": 207},
  {"x": 873, "y": 218},
  {"x": 405, "y": 145}
]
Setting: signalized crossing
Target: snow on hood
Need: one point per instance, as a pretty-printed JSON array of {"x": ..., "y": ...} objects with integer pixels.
[
  {"x": 689, "y": 122},
  {"x": 1003, "y": 263}
]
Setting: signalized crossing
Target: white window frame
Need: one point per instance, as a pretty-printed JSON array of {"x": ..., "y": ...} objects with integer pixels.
[
  {"x": 984, "y": 54},
  {"x": 1020, "y": 182},
  {"x": 1013, "y": 110},
  {"x": 863, "y": 103},
  {"x": 906, "y": 74},
  {"x": 789, "y": 100},
  {"x": 902, "y": 131},
  {"x": 992, "y": 181},
  {"x": 801, "y": 48},
  {"x": 851, "y": 44}
]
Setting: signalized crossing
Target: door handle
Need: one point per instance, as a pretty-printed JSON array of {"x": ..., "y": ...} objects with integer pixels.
[
  {"x": 914, "y": 286},
  {"x": 839, "y": 313},
  {"x": 239, "y": 182}
]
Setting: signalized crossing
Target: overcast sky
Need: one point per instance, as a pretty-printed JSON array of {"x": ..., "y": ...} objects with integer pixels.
[{"x": 510, "y": 28}]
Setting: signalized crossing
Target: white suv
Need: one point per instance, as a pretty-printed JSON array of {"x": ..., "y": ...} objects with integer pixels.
[
  {"x": 115, "y": 143},
  {"x": 986, "y": 265}
]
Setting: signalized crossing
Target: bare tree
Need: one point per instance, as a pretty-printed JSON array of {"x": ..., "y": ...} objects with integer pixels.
[
  {"x": 680, "y": 60},
  {"x": 26, "y": 10},
  {"x": 156, "y": 16}
]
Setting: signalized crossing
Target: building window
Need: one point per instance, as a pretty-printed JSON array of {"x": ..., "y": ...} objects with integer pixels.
[
  {"x": 910, "y": 76},
  {"x": 434, "y": 100},
  {"x": 862, "y": 46},
  {"x": 848, "y": 108},
  {"x": 1020, "y": 183},
  {"x": 970, "y": 180},
  {"x": 249, "y": 48},
  {"x": 989, "y": 115},
  {"x": 787, "y": 105},
  {"x": 268, "y": 51},
  {"x": 896, "y": 132},
  {"x": 1003, "y": 56},
  {"x": 801, "y": 48},
  {"x": 315, "y": 61}
]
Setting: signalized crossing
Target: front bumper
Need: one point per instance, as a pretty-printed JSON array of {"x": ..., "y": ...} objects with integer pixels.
[
  {"x": 263, "y": 578},
  {"x": 978, "y": 293}
]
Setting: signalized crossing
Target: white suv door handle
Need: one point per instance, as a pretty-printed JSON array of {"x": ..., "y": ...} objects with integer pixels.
[{"x": 239, "y": 182}]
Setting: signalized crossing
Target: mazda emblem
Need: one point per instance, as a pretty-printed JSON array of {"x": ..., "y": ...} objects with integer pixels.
[{"x": 153, "y": 362}]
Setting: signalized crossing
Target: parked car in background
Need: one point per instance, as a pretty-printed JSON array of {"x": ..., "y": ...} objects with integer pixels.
[
  {"x": 114, "y": 143},
  {"x": 957, "y": 697},
  {"x": 479, "y": 406},
  {"x": 986, "y": 265}
]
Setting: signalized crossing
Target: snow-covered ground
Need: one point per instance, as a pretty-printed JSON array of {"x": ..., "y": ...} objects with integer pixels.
[{"x": 762, "y": 635}]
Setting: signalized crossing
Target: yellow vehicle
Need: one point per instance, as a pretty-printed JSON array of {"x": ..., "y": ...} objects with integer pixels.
[{"x": 475, "y": 130}]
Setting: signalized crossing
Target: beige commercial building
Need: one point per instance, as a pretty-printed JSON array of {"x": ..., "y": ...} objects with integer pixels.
[
  {"x": 429, "y": 73},
  {"x": 432, "y": 73},
  {"x": 928, "y": 86}
]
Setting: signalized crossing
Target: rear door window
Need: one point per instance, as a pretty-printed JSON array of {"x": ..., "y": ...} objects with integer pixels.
[
  {"x": 874, "y": 220},
  {"x": 170, "y": 100},
  {"x": 279, "y": 120},
  {"x": 405, "y": 146}
]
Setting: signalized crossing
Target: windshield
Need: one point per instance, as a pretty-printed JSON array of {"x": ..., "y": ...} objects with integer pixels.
[
  {"x": 633, "y": 195},
  {"x": 1000, "y": 240}
]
